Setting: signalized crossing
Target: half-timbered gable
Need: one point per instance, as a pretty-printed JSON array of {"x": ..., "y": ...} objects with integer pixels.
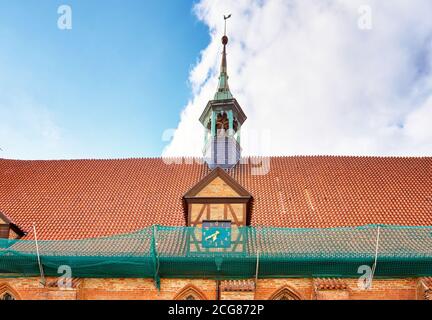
[{"x": 217, "y": 199}]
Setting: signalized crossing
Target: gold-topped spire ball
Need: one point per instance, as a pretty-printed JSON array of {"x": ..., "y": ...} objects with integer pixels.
[{"x": 224, "y": 40}]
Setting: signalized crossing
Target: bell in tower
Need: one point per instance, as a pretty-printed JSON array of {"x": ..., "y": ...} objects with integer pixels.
[{"x": 222, "y": 120}]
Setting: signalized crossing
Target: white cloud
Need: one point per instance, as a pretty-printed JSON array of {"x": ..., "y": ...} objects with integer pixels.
[
  {"x": 306, "y": 75},
  {"x": 418, "y": 126}
]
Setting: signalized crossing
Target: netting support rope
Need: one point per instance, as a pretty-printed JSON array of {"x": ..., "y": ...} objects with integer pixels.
[
  {"x": 38, "y": 256},
  {"x": 155, "y": 243},
  {"x": 376, "y": 254},
  {"x": 256, "y": 271}
]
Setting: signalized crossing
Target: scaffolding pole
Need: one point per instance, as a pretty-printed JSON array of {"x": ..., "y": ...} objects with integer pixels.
[
  {"x": 156, "y": 254},
  {"x": 256, "y": 271}
]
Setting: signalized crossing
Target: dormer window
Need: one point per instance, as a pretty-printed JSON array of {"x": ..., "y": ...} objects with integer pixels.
[
  {"x": 218, "y": 207},
  {"x": 217, "y": 197}
]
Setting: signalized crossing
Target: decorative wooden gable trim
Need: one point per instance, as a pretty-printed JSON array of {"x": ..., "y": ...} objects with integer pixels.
[
  {"x": 218, "y": 173},
  {"x": 231, "y": 193},
  {"x": 6, "y": 221}
]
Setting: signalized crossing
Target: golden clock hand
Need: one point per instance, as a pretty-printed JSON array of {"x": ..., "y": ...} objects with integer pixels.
[{"x": 213, "y": 236}]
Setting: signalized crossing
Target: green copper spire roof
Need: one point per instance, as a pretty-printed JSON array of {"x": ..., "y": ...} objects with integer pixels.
[{"x": 223, "y": 91}]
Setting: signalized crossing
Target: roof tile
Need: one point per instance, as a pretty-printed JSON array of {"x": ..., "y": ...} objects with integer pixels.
[{"x": 75, "y": 199}]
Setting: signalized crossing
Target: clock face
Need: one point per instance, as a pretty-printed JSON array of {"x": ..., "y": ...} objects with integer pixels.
[{"x": 216, "y": 234}]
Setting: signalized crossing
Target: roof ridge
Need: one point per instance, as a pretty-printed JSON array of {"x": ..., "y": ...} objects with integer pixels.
[{"x": 244, "y": 157}]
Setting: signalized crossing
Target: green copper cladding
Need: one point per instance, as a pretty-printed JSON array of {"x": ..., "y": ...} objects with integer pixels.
[
  {"x": 213, "y": 124},
  {"x": 223, "y": 91},
  {"x": 222, "y": 119},
  {"x": 231, "y": 122}
]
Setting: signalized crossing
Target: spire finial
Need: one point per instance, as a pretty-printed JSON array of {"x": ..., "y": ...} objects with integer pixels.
[
  {"x": 226, "y": 17},
  {"x": 223, "y": 91}
]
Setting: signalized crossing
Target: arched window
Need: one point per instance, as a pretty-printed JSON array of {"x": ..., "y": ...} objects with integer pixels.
[
  {"x": 190, "y": 292},
  {"x": 7, "y": 293},
  {"x": 7, "y": 296},
  {"x": 285, "y": 294}
]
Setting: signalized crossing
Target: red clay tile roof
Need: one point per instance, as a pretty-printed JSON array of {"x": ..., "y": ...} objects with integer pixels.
[{"x": 75, "y": 199}]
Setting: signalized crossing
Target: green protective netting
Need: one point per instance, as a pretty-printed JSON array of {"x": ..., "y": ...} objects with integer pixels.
[{"x": 166, "y": 252}]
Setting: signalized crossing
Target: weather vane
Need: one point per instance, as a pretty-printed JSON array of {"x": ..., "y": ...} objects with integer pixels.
[{"x": 226, "y": 17}]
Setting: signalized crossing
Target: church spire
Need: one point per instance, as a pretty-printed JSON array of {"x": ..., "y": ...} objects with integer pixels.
[
  {"x": 222, "y": 119},
  {"x": 223, "y": 91}
]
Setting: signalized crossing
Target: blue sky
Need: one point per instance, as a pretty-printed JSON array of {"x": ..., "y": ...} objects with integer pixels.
[
  {"x": 314, "y": 78},
  {"x": 110, "y": 86}
]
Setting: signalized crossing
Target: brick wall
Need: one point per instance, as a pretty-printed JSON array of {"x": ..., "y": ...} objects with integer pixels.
[
  {"x": 393, "y": 289},
  {"x": 31, "y": 289},
  {"x": 143, "y": 289},
  {"x": 332, "y": 295},
  {"x": 266, "y": 288},
  {"x": 237, "y": 295}
]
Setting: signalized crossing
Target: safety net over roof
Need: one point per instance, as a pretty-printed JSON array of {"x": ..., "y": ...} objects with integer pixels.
[{"x": 157, "y": 251}]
